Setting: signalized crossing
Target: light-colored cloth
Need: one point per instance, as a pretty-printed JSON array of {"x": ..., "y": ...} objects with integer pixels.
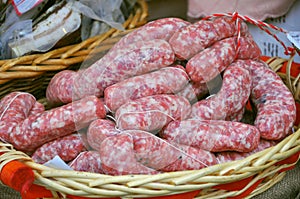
[{"x": 257, "y": 9}]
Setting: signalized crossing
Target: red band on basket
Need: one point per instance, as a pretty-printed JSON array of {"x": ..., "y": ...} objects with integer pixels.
[
  {"x": 79, "y": 197},
  {"x": 248, "y": 191},
  {"x": 290, "y": 160},
  {"x": 36, "y": 191},
  {"x": 17, "y": 176},
  {"x": 235, "y": 186}
]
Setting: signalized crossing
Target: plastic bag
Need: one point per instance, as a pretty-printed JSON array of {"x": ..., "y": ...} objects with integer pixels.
[{"x": 106, "y": 13}]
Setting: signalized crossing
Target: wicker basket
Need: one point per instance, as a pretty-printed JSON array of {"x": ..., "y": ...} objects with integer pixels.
[{"x": 239, "y": 179}]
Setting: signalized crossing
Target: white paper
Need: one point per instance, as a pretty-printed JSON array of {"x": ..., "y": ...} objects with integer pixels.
[
  {"x": 294, "y": 37},
  {"x": 57, "y": 163}
]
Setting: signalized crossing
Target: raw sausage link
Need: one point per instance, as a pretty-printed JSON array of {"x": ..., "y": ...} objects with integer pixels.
[
  {"x": 139, "y": 58},
  {"x": 14, "y": 108},
  {"x": 88, "y": 161},
  {"x": 230, "y": 100},
  {"x": 228, "y": 156},
  {"x": 158, "y": 29},
  {"x": 67, "y": 148},
  {"x": 37, "y": 109},
  {"x": 210, "y": 62},
  {"x": 192, "y": 39},
  {"x": 192, "y": 158},
  {"x": 248, "y": 48},
  {"x": 152, "y": 113},
  {"x": 238, "y": 116},
  {"x": 164, "y": 81},
  {"x": 136, "y": 59},
  {"x": 99, "y": 130},
  {"x": 60, "y": 88},
  {"x": 37, "y": 130},
  {"x": 193, "y": 91},
  {"x": 213, "y": 135},
  {"x": 153, "y": 151},
  {"x": 273, "y": 100},
  {"x": 118, "y": 156}
]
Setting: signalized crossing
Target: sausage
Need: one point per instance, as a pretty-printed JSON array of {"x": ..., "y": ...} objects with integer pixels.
[
  {"x": 99, "y": 130},
  {"x": 161, "y": 155},
  {"x": 213, "y": 135},
  {"x": 193, "y": 91},
  {"x": 230, "y": 100},
  {"x": 60, "y": 88},
  {"x": 151, "y": 113},
  {"x": 37, "y": 109},
  {"x": 276, "y": 109},
  {"x": 248, "y": 48},
  {"x": 158, "y": 29},
  {"x": 35, "y": 131},
  {"x": 164, "y": 81},
  {"x": 139, "y": 58},
  {"x": 191, "y": 159},
  {"x": 67, "y": 148},
  {"x": 88, "y": 161},
  {"x": 117, "y": 65},
  {"x": 238, "y": 116},
  {"x": 153, "y": 151},
  {"x": 227, "y": 27},
  {"x": 14, "y": 108},
  {"x": 228, "y": 156},
  {"x": 118, "y": 156},
  {"x": 210, "y": 62},
  {"x": 192, "y": 39}
]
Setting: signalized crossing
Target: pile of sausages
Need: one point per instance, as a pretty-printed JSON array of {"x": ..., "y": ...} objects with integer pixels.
[{"x": 168, "y": 96}]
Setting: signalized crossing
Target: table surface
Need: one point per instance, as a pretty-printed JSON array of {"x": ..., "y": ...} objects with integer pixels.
[{"x": 288, "y": 188}]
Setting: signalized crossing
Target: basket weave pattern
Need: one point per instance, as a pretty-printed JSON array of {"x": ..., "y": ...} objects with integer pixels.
[{"x": 260, "y": 170}]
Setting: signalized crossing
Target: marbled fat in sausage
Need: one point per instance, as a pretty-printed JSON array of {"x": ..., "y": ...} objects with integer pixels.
[
  {"x": 14, "y": 108},
  {"x": 61, "y": 121},
  {"x": 192, "y": 39},
  {"x": 194, "y": 91},
  {"x": 153, "y": 151},
  {"x": 60, "y": 88},
  {"x": 164, "y": 81},
  {"x": 99, "y": 130},
  {"x": 213, "y": 135},
  {"x": 228, "y": 156},
  {"x": 118, "y": 156},
  {"x": 191, "y": 159},
  {"x": 152, "y": 113},
  {"x": 230, "y": 100},
  {"x": 87, "y": 161},
  {"x": 274, "y": 102},
  {"x": 37, "y": 109},
  {"x": 248, "y": 48},
  {"x": 139, "y": 58},
  {"x": 67, "y": 148},
  {"x": 158, "y": 29},
  {"x": 210, "y": 62}
]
